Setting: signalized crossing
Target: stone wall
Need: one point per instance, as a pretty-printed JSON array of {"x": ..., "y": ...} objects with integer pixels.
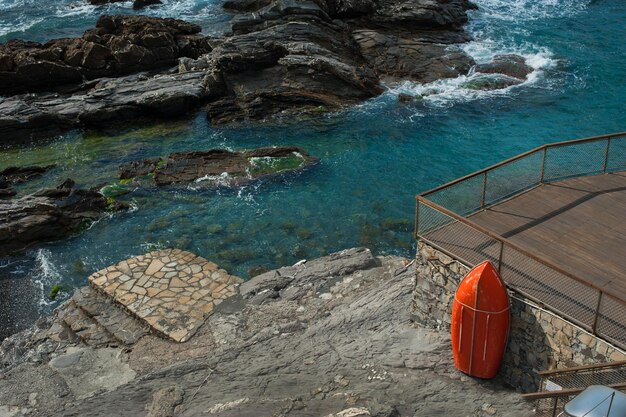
[{"x": 539, "y": 339}]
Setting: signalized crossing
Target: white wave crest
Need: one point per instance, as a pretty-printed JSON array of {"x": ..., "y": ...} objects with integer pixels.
[
  {"x": 45, "y": 275},
  {"x": 524, "y": 10},
  {"x": 446, "y": 92}
]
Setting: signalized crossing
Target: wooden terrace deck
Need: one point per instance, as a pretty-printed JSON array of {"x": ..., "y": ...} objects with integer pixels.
[{"x": 578, "y": 224}]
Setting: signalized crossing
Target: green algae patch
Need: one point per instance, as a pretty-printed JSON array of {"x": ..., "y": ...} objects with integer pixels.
[
  {"x": 55, "y": 290},
  {"x": 267, "y": 165},
  {"x": 115, "y": 190}
]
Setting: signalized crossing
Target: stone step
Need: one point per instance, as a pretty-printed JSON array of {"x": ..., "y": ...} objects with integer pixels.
[
  {"x": 83, "y": 326},
  {"x": 106, "y": 313}
]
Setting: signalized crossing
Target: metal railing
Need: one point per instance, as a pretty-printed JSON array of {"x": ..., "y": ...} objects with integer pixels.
[
  {"x": 559, "y": 386},
  {"x": 440, "y": 221}
]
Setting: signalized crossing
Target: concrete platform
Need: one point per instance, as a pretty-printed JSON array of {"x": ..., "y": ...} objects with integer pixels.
[{"x": 172, "y": 290}]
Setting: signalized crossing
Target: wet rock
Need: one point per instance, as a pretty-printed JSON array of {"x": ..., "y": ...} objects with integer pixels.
[
  {"x": 491, "y": 82},
  {"x": 6, "y": 190},
  {"x": 405, "y": 98},
  {"x": 140, "y": 4},
  {"x": 47, "y": 215},
  {"x": 19, "y": 175},
  {"x": 510, "y": 65},
  {"x": 118, "y": 45},
  {"x": 218, "y": 166},
  {"x": 245, "y": 5},
  {"x": 130, "y": 98}
]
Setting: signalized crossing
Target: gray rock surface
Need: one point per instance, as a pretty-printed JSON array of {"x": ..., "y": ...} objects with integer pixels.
[
  {"x": 88, "y": 371},
  {"x": 343, "y": 346}
]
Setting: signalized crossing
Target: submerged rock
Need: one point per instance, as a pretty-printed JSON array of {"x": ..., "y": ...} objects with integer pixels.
[
  {"x": 510, "y": 65},
  {"x": 47, "y": 215},
  {"x": 140, "y": 4},
  {"x": 18, "y": 175},
  {"x": 491, "y": 82},
  {"x": 217, "y": 166}
]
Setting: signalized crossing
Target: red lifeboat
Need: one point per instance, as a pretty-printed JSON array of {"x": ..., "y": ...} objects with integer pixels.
[{"x": 480, "y": 322}]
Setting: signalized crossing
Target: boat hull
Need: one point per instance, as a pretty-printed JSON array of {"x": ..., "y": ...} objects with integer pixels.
[{"x": 480, "y": 322}]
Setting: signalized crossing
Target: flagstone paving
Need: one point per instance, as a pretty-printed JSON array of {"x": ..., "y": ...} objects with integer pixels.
[{"x": 172, "y": 290}]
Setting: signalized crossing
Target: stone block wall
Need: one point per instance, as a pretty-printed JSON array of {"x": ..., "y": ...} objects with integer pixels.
[{"x": 539, "y": 339}]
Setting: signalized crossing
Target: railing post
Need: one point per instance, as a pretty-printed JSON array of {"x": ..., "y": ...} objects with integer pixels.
[
  {"x": 595, "y": 318},
  {"x": 417, "y": 213},
  {"x": 554, "y": 410},
  {"x": 543, "y": 163},
  {"x": 606, "y": 155},
  {"x": 482, "y": 201},
  {"x": 500, "y": 256}
]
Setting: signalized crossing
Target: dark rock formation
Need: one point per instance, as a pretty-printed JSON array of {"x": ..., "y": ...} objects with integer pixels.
[
  {"x": 17, "y": 175},
  {"x": 281, "y": 56},
  {"x": 510, "y": 65},
  {"x": 307, "y": 54},
  {"x": 491, "y": 82},
  {"x": 221, "y": 166},
  {"x": 6, "y": 190},
  {"x": 137, "y": 4},
  {"x": 118, "y": 45},
  {"x": 413, "y": 57},
  {"x": 123, "y": 99},
  {"x": 140, "y": 4},
  {"x": 47, "y": 215}
]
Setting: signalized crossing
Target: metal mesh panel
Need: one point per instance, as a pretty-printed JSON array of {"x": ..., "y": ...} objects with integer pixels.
[
  {"x": 466, "y": 243},
  {"x": 512, "y": 178},
  {"x": 463, "y": 198},
  {"x": 551, "y": 407},
  {"x": 577, "y": 159},
  {"x": 430, "y": 219},
  {"x": 580, "y": 379},
  {"x": 612, "y": 320},
  {"x": 556, "y": 290},
  {"x": 617, "y": 155}
]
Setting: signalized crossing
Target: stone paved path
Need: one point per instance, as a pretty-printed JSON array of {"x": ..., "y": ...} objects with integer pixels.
[{"x": 172, "y": 290}]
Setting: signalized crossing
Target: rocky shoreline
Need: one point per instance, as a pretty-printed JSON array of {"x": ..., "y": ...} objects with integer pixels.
[
  {"x": 281, "y": 55},
  {"x": 327, "y": 337}
]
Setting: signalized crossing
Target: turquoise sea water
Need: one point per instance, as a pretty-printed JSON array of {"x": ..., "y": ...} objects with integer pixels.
[{"x": 374, "y": 157}]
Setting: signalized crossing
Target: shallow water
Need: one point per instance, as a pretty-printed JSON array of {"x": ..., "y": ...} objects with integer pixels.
[{"x": 374, "y": 158}]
